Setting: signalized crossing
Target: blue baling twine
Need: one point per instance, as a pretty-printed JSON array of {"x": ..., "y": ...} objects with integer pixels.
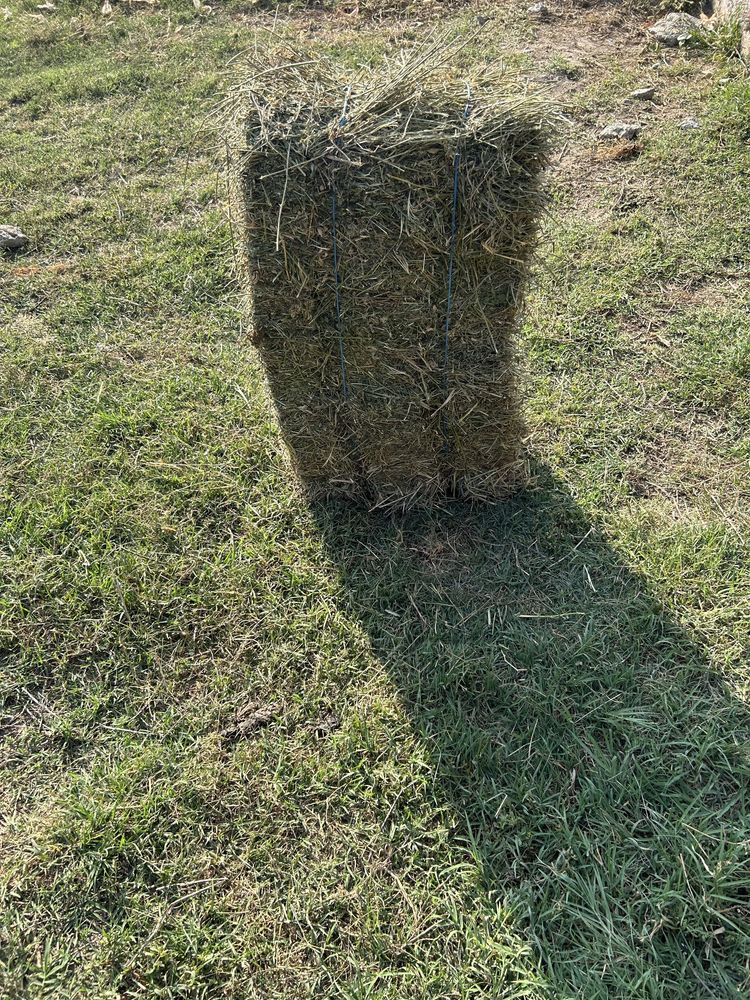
[
  {"x": 452, "y": 260},
  {"x": 336, "y": 277}
]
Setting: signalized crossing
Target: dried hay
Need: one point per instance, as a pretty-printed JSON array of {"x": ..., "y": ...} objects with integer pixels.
[{"x": 373, "y": 405}]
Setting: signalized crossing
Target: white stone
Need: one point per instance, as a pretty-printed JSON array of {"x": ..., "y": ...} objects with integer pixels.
[
  {"x": 676, "y": 29},
  {"x": 620, "y": 130},
  {"x": 643, "y": 94},
  {"x": 12, "y": 238}
]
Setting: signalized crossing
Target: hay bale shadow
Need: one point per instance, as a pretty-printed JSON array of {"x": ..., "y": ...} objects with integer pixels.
[{"x": 594, "y": 759}]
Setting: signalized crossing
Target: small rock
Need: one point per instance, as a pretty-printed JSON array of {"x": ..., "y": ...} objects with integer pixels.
[
  {"x": 689, "y": 123},
  {"x": 676, "y": 29},
  {"x": 620, "y": 130},
  {"x": 643, "y": 94},
  {"x": 12, "y": 238},
  {"x": 540, "y": 10}
]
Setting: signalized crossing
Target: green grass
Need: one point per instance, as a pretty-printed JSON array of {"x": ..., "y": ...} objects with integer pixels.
[{"x": 505, "y": 751}]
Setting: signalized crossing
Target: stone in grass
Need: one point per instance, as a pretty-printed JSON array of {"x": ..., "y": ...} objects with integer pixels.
[
  {"x": 643, "y": 94},
  {"x": 12, "y": 238},
  {"x": 676, "y": 29},
  {"x": 687, "y": 124},
  {"x": 540, "y": 10},
  {"x": 621, "y": 130}
]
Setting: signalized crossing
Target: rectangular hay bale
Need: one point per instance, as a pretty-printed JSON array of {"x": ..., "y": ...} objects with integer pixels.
[{"x": 388, "y": 187}]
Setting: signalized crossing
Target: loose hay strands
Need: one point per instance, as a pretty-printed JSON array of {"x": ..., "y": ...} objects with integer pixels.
[{"x": 370, "y": 400}]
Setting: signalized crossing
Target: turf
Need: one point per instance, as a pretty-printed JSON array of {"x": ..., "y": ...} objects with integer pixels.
[{"x": 253, "y": 749}]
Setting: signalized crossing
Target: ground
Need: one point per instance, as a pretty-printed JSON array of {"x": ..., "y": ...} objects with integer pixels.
[{"x": 257, "y": 750}]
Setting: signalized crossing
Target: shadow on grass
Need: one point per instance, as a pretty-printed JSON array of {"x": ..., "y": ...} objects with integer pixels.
[{"x": 597, "y": 764}]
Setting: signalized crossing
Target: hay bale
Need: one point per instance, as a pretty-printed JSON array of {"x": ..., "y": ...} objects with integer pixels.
[{"x": 371, "y": 403}]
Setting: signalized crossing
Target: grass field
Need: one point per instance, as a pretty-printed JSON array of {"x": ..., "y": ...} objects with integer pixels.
[{"x": 256, "y": 750}]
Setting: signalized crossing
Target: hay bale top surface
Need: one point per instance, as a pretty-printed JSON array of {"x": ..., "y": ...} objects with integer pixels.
[{"x": 397, "y": 109}]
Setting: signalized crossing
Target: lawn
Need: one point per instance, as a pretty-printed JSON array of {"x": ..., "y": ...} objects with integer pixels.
[{"x": 257, "y": 749}]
